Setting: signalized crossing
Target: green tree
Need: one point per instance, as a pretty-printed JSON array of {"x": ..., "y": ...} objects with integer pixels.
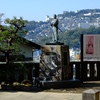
[{"x": 10, "y": 36}]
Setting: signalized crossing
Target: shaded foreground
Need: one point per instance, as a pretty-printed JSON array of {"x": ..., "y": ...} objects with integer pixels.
[
  {"x": 84, "y": 86},
  {"x": 49, "y": 94}
]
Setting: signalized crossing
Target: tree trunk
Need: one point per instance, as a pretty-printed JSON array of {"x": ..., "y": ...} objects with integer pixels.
[{"x": 7, "y": 57}]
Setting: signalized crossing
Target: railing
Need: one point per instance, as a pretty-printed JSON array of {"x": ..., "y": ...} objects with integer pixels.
[{"x": 85, "y": 71}]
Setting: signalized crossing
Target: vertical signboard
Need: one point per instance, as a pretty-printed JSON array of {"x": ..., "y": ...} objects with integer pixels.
[{"x": 91, "y": 47}]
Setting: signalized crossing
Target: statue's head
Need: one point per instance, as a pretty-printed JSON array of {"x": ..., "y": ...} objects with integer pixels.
[{"x": 54, "y": 16}]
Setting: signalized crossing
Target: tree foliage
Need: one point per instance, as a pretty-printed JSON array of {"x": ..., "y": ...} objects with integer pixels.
[{"x": 10, "y": 36}]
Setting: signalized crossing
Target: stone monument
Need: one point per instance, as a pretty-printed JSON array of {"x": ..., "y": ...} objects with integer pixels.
[{"x": 54, "y": 61}]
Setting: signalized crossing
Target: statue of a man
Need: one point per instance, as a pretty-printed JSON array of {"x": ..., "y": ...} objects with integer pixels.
[{"x": 54, "y": 25}]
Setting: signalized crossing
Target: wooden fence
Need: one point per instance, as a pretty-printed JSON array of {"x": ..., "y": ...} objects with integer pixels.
[{"x": 85, "y": 71}]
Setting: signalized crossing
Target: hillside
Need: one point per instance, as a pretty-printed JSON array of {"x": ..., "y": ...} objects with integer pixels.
[{"x": 71, "y": 23}]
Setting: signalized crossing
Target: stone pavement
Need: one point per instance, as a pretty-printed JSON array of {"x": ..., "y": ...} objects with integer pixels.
[{"x": 13, "y": 95}]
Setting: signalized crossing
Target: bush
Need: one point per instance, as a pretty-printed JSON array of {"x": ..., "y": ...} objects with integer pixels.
[
  {"x": 2, "y": 83},
  {"x": 16, "y": 84},
  {"x": 26, "y": 82}
]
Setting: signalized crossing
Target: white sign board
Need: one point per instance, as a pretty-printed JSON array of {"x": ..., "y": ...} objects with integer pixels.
[{"x": 36, "y": 56}]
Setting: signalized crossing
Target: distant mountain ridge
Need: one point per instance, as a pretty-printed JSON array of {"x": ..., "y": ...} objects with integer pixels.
[{"x": 67, "y": 21}]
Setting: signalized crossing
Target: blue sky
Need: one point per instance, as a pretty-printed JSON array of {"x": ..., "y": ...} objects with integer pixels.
[{"x": 38, "y": 9}]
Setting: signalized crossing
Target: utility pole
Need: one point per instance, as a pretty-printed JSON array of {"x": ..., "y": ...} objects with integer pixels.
[{"x": 1, "y": 14}]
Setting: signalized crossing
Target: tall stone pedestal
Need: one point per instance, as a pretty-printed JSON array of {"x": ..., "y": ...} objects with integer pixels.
[{"x": 54, "y": 62}]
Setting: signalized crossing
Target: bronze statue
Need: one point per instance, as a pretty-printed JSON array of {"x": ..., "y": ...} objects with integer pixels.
[{"x": 54, "y": 25}]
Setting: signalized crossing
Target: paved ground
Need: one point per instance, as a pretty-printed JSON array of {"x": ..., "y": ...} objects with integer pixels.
[{"x": 39, "y": 96}]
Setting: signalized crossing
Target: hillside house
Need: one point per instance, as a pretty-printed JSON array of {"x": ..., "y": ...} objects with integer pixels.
[{"x": 29, "y": 48}]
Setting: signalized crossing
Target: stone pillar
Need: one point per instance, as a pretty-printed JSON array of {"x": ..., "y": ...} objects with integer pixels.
[
  {"x": 90, "y": 94},
  {"x": 54, "y": 62}
]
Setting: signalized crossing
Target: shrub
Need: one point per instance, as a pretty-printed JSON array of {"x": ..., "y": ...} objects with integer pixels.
[
  {"x": 16, "y": 84},
  {"x": 26, "y": 82}
]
